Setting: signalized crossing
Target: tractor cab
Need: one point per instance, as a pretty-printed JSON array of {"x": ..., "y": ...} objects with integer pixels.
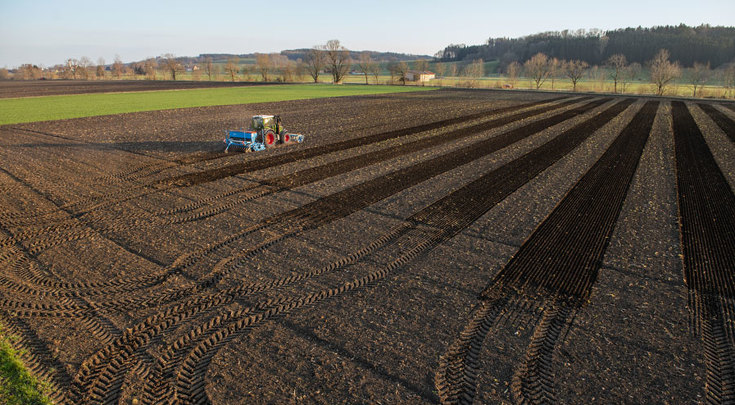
[{"x": 265, "y": 122}]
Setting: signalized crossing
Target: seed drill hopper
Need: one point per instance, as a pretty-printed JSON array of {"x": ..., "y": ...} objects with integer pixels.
[{"x": 266, "y": 131}]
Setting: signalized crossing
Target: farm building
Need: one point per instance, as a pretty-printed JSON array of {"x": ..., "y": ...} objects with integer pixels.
[{"x": 419, "y": 76}]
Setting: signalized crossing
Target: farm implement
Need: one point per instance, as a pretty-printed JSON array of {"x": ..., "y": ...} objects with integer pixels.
[{"x": 266, "y": 131}]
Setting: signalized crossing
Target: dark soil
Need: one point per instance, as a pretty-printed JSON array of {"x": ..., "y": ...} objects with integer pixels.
[
  {"x": 30, "y": 88},
  {"x": 140, "y": 263}
]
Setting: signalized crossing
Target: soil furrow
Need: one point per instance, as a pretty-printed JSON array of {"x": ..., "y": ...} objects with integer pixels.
[
  {"x": 559, "y": 261},
  {"x": 707, "y": 232},
  {"x": 725, "y": 123},
  {"x": 345, "y": 202},
  {"x": 276, "y": 160}
]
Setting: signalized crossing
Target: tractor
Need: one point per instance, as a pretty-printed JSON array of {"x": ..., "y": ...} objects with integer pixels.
[{"x": 266, "y": 131}]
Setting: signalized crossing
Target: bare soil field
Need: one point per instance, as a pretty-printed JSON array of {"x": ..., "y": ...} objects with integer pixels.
[
  {"x": 20, "y": 88},
  {"x": 453, "y": 246}
]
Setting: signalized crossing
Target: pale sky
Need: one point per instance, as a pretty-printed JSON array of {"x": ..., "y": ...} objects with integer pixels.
[{"x": 45, "y": 32}]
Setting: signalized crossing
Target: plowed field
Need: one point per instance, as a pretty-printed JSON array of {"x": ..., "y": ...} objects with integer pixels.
[{"x": 452, "y": 246}]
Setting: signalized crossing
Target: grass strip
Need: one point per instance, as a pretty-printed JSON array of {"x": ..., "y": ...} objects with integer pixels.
[
  {"x": 31, "y": 109},
  {"x": 17, "y": 385}
]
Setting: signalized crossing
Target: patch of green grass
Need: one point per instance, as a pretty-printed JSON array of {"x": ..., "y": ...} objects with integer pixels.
[
  {"x": 17, "y": 386},
  {"x": 30, "y": 109}
]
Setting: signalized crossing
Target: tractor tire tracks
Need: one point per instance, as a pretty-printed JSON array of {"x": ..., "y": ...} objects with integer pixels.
[
  {"x": 707, "y": 232},
  {"x": 551, "y": 274}
]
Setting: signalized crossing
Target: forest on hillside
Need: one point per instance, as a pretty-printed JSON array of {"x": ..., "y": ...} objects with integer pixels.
[{"x": 704, "y": 44}]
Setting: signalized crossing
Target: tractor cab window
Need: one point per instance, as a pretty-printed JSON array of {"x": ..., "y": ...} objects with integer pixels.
[{"x": 262, "y": 122}]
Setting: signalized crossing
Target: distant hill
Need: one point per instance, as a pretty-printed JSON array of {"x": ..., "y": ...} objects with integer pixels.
[
  {"x": 704, "y": 44},
  {"x": 296, "y": 54}
]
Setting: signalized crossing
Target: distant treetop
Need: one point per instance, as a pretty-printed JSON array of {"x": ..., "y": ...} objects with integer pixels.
[{"x": 687, "y": 45}]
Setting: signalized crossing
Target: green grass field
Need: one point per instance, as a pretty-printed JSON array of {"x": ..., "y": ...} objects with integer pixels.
[
  {"x": 17, "y": 386},
  {"x": 30, "y": 109}
]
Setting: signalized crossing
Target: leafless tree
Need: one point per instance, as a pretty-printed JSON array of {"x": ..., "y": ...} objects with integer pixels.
[
  {"x": 452, "y": 70},
  {"x": 663, "y": 72},
  {"x": 150, "y": 66},
  {"x": 375, "y": 71},
  {"x": 538, "y": 68},
  {"x": 286, "y": 72},
  {"x": 264, "y": 65},
  {"x": 232, "y": 68},
  {"x": 630, "y": 73},
  {"x": 473, "y": 72},
  {"x": 555, "y": 66},
  {"x": 83, "y": 66},
  {"x": 401, "y": 72},
  {"x": 208, "y": 67},
  {"x": 248, "y": 70},
  {"x": 117, "y": 67},
  {"x": 365, "y": 64},
  {"x": 698, "y": 76},
  {"x": 574, "y": 69},
  {"x": 597, "y": 76},
  {"x": 315, "y": 62},
  {"x": 4, "y": 74},
  {"x": 617, "y": 63},
  {"x": 171, "y": 65},
  {"x": 100, "y": 71},
  {"x": 299, "y": 70},
  {"x": 728, "y": 78},
  {"x": 338, "y": 60},
  {"x": 513, "y": 69},
  {"x": 422, "y": 65},
  {"x": 28, "y": 71}
]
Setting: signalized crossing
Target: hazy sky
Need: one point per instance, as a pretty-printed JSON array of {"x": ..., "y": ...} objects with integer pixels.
[{"x": 46, "y": 32}]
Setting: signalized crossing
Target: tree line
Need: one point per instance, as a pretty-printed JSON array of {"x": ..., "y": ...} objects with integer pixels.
[{"x": 687, "y": 45}]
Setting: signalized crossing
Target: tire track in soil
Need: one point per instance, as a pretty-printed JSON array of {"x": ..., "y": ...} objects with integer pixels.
[
  {"x": 93, "y": 381},
  {"x": 551, "y": 275},
  {"x": 206, "y": 176},
  {"x": 71, "y": 222},
  {"x": 725, "y": 123},
  {"x": 435, "y": 224},
  {"x": 707, "y": 232},
  {"x": 286, "y": 182}
]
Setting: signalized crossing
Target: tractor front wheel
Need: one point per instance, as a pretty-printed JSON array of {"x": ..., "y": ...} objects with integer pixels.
[{"x": 270, "y": 138}]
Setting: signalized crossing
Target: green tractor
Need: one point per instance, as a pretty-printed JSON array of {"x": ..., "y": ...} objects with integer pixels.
[{"x": 265, "y": 131}]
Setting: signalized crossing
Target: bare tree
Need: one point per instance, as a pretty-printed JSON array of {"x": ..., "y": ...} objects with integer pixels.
[
  {"x": 286, "y": 72},
  {"x": 728, "y": 78},
  {"x": 630, "y": 74},
  {"x": 171, "y": 65},
  {"x": 452, "y": 70},
  {"x": 264, "y": 65},
  {"x": 248, "y": 70},
  {"x": 365, "y": 64},
  {"x": 698, "y": 76},
  {"x": 150, "y": 66},
  {"x": 375, "y": 71},
  {"x": 663, "y": 72},
  {"x": 617, "y": 63},
  {"x": 4, "y": 74},
  {"x": 315, "y": 62},
  {"x": 439, "y": 69},
  {"x": 100, "y": 71},
  {"x": 299, "y": 70},
  {"x": 338, "y": 59},
  {"x": 422, "y": 65},
  {"x": 117, "y": 67},
  {"x": 574, "y": 69},
  {"x": 401, "y": 71},
  {"x": 513, "y": 69},
  {"x": 28, "y": 71},
  {"x": 84, "y": 65},
  {"x": 474, "y": 71},
  {"x": 232, "y": 67},
  {"x": 208, "y": 67},
  {"x": 538, "y": 68},
  {"x": 555, "y": 66}
]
